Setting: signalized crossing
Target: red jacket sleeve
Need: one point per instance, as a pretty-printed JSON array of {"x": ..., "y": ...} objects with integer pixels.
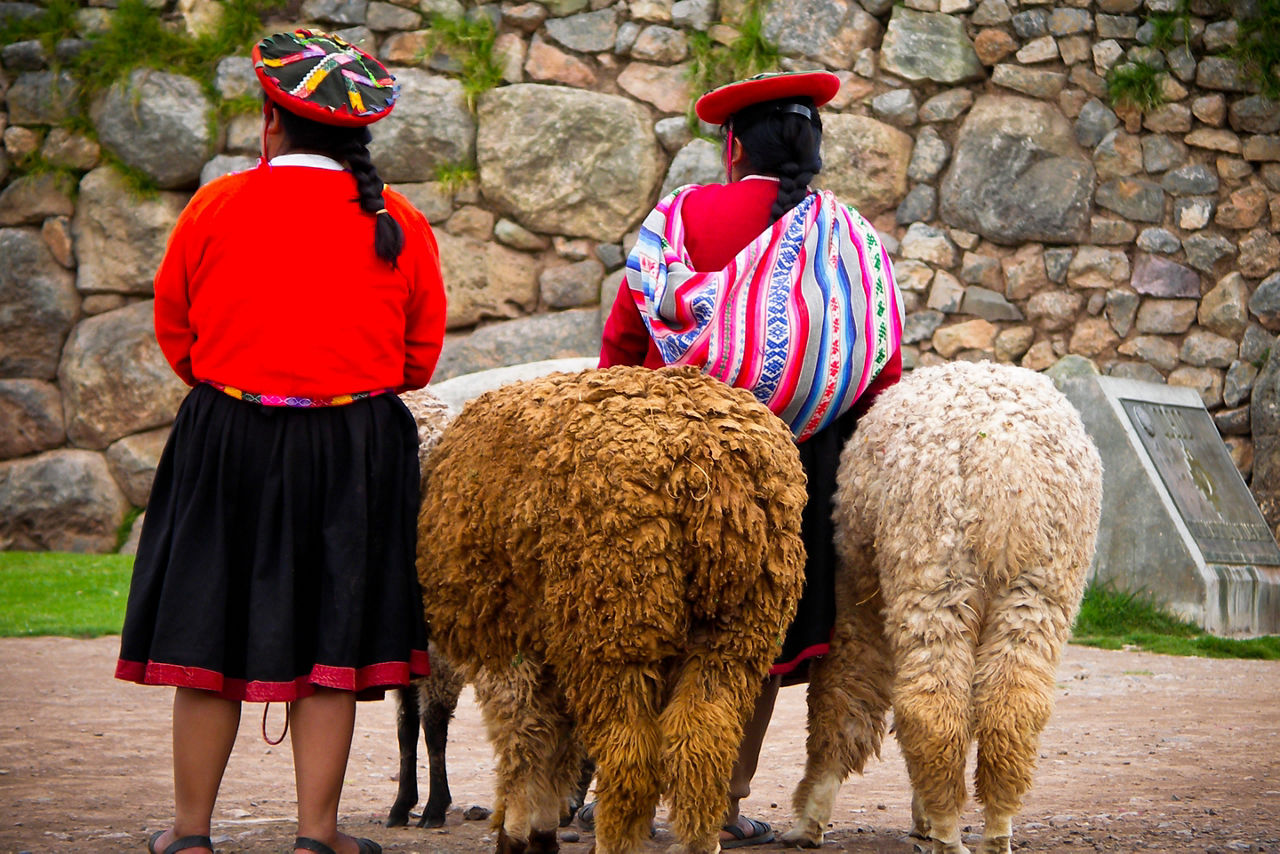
[
  {"x": 172, "y": 298},
  {"x": 425, "y": 314},
  {"x": 888, "y": 376},
  {"x": 625, "y": 339}
]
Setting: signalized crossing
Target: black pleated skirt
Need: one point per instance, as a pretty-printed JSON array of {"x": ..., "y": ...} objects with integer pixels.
[
  {"x": 277, "y": 552},
  {"x": 810, "y": 633}
]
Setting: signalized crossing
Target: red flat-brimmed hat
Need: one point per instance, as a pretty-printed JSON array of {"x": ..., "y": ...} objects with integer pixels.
[
  {"x": 322, "y": 77},
  {"x": 718, "y": 105}
]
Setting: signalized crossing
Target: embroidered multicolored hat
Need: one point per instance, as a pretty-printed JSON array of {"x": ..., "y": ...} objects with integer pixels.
[
  {"x": 718, "y": 105},
  {"x": 321, "y": 77}
]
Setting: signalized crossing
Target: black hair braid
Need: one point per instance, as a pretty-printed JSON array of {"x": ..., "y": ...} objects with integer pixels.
[
  {"x": 388, "y": 236},
  {"x": 351, "y": 144},
  {"x": 782, "y": 143}
]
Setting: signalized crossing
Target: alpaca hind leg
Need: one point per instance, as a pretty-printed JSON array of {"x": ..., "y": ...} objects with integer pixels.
[
  {"x": 407, "y": 740},
  {"x": 934, "y": 625},
  {"x": 1013, "y": 698},
  {"x": 848, "y": 697},
  {"x": 702, "y": 727},
  {"x": 616, "y": 710},
  {"x": 436, "y": 714},
  {"x": 526, "y": 720}
]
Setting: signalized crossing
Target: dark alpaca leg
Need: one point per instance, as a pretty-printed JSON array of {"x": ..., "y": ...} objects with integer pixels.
[
  {"x": 435, "y": 730},
  {"x": 579, "y": 797},
  {"x": 407, "y": 737}
]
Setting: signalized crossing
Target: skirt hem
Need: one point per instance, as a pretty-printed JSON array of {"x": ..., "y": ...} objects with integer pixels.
[{"x": 367, "y": 683}]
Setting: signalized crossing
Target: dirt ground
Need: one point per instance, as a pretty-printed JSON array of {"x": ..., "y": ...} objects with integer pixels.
[{"x": 1144, "y": 752}]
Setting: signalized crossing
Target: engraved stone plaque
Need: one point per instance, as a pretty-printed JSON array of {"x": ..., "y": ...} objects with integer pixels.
[{"x": 1206, "y": 487}]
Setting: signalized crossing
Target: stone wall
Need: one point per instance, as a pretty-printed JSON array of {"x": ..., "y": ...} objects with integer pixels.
[{"x": 1029, "y": 220}]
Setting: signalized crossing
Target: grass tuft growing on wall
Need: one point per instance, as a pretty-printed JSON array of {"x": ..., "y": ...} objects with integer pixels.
[
  {"x": 469, "y": 42},
  {"x": 1134, "y": 84},
  {"x": 713, "y": 64},
  {"x": 1258, "y": 48}
]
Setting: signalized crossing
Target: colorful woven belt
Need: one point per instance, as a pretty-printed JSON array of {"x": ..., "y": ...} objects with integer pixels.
[{"x": 293, "y": 400}]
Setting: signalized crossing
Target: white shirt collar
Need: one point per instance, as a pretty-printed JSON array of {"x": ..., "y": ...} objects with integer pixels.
[
  {"x": 744, "y": 177},
  {"x": 316, "y": 161}
]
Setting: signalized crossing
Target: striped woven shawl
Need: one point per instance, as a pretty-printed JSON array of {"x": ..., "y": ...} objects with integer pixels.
[{"x": 805, "y": 316}]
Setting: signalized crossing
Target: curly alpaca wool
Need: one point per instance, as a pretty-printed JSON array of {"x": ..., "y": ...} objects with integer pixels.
[
  {"x": 966, "y": 513},
  {"x": 621, "y": 550}
]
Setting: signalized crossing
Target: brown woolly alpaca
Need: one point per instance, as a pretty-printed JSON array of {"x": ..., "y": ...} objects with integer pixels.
[
  {"x": 617, "y": 554},
  {"x": 966, "y": 513},
  {"x": 429, "y": 702}
]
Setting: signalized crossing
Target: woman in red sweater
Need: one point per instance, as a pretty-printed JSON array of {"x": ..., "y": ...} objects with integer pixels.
[
  {"x": 776, "y": 288},
  {"x": 277, "y": 556}
]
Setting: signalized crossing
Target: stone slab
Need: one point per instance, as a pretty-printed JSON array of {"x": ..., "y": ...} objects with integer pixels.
[
  {"x": 458, "y": 390},
  {"x": 1178, "y": 522}
]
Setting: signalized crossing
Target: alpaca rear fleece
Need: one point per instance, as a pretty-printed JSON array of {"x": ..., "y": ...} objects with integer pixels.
[
  {"x": 966, "y": 512},
  {"x": 619, "y": 549}
]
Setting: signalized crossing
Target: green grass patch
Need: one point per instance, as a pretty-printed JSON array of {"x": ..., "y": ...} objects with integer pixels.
[
  {"x": 53, "y": 593},
  {"x": 1134, "y": 84},
  {"x": 1258, "y": 48},
  {"x": 469, "y": 42},
  {"x": 1114, "y": 619},
  {"x": 712, "y": 64},
  {"x": 455, "y": 176}
]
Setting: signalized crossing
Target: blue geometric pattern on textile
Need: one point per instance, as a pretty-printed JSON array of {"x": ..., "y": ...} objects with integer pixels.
[{"x": 777, "y": 324}]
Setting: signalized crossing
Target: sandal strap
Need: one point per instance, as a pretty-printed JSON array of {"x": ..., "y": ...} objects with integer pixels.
[
  {"x": 312, "y": 845},
  {"x": 189, "y": 842}
]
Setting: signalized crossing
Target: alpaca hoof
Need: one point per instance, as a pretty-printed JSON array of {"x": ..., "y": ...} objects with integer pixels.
[
  {"x": 996, "y": 845},
  {"x": 510, "y": 845},
  {"x": 429, "y": 820},
  {"x": 543, "y": 842},
  {"x": 398, "y": 818},
  {"x": 957, "y": 847},
  {"x": 800, "y": 837}
]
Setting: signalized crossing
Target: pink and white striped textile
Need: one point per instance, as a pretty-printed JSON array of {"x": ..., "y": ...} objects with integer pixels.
[{"x": 804, "y": 317}]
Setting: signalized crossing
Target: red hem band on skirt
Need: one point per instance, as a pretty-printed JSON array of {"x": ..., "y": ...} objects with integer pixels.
[
  {"x": 782, "y": 668},
  {"x": 368, "y": 683}
]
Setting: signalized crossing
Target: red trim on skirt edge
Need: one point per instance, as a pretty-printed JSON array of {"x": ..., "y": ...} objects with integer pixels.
[
  {"x": 808, "y": 652},
  {"x": 368, "y": 683}
]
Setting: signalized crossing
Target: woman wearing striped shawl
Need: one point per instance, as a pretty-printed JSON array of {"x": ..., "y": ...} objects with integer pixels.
[{"x": 774, "y": 287}]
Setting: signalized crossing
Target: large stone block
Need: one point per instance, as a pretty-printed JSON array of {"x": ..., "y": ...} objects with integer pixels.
[
  {"x": 43, "y": 98},
  {"x": 929, "y": 46},
  {"x": 158, "y": 123},
  {"x": 1264, "y": 415},
  {"x": 484, "y": 280},
  {"x": 60, "y": 501},
  {"x": 864, "y": 162},
  {"x": 133, "y": 462},
  {"x": 829, "y": 31},
  {"x": 559, "y": 335},
  {"x": 120, "y": 238},
  {"x": 114, "y": 379},
  {"x": 30, "y": 417},
  {"x": 1017, "y": 174},
  {"x": 566, "y": 161},
  {"x": 38, "y": 305},
  {"x": 431, "y": 126},
  {"x": 459, "y": 389}
]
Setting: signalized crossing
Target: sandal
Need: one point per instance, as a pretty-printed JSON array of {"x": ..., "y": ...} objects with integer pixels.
[
  {"x": 761, "y": 833},
  {"x": 177, "y": 845},
  {"x": 366, "y": 846}
]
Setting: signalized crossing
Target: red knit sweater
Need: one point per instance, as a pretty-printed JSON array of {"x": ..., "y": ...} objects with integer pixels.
[
  {"x": 719, "y": 220},
  {"x": 271, "y": 284}
]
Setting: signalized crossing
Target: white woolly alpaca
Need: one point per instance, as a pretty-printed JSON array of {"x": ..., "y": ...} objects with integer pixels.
[
  {"x": 966, "y": 512},
  {"x": 429, "y": 702}
]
